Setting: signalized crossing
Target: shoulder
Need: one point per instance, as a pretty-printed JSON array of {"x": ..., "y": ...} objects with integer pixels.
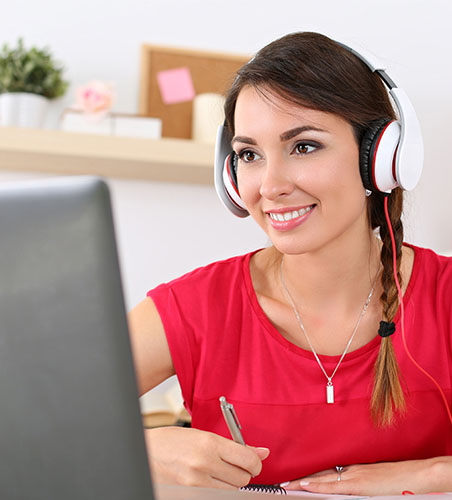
[
  {"x": 429, "y": 260},
  {"x": 433, "y": 273}
]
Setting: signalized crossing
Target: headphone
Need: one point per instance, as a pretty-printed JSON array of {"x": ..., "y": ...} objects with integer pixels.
[{"x": 391, "y": 151}]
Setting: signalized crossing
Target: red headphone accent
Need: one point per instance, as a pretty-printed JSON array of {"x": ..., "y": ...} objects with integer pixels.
[
  {"x": 231, "y": 178},
  {"x": 394, "y": 162},
  {"x": 374, "y": 158}
]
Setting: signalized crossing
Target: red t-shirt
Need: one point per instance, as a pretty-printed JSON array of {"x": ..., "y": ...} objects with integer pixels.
[{"x": 223, "y": 344}]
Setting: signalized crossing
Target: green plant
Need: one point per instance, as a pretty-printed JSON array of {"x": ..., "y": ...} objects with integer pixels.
[{"x": 34, "y": 71}]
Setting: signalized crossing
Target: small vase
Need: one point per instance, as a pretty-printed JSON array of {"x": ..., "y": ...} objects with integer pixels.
[{"x": 21, "y": 109}]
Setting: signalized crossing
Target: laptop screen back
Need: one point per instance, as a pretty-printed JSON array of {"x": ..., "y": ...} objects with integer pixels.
[{"x": 70, "y": 425}]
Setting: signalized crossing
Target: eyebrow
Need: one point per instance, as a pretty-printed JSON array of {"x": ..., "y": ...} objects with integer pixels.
[{"x": 285, "y": 136}]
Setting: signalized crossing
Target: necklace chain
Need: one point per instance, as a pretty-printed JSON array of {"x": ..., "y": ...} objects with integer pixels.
[{"x": 330, "y": 394}]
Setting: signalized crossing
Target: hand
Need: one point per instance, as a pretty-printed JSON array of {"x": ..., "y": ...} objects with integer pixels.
[
  {"x": 198, "y": 458},
  {"x": 386, "y": 478}
]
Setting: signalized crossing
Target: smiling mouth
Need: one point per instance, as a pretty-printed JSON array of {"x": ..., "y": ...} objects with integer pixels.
[{"x": 292, "y": 214}]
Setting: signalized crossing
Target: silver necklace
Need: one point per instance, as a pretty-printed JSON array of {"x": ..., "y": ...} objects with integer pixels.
[{"x": 329, "y": 384}]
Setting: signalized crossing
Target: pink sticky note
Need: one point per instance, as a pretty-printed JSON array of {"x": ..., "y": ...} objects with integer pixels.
[{"x": 176, "y": 85}]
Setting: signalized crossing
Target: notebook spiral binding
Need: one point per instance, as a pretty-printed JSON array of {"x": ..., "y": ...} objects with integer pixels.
[{"x": 265, "y": 488}]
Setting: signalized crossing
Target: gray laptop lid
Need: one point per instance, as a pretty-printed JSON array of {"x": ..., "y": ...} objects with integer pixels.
[{"x": 70, "y": 425}]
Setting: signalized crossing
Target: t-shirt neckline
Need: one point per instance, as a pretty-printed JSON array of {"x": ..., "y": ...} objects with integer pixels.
[{"x": 275, "y": 334}]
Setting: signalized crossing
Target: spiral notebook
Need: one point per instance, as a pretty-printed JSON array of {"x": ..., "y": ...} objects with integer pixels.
[{"x": 265, "y": 488}]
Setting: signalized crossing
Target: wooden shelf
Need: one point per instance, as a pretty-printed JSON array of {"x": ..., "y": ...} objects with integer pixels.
[{"x": 65, "y": 153}]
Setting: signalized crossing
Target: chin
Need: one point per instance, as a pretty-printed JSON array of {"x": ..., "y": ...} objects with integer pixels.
[{"x": 293, "y": 248}]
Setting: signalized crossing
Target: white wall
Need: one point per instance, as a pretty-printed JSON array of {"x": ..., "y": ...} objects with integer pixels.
[{"x": 166, "y": 229}]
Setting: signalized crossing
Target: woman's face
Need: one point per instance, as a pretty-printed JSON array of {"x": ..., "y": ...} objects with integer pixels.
[{"x": 298, "y": 173}]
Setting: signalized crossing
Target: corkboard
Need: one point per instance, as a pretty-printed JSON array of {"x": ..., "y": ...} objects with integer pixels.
[{"x": 210, "y": 72}]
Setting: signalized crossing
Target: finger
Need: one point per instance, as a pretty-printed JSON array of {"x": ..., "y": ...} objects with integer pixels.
[
  {"x": 231, "y": 475},
  {"x": 243, "y": 457},
  {"x": 330, "y": 487},
  {"x": 325, "y": 476},
  {"x": 213, "y": 472},
  {"x": 322, "y": 476},
  {"x": 291, "y": 485},
  {"x": 262, "y": 453},
  {"x": 299, "y": 484}
]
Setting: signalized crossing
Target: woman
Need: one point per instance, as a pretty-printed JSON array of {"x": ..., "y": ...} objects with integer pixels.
[{"x": 273, "y": 329}]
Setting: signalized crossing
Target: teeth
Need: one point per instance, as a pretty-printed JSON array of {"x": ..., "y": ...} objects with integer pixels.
[{"x": 289, "y": 215}]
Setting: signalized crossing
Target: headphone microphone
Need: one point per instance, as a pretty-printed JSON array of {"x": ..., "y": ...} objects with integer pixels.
[{"x": 391, "y": 151}]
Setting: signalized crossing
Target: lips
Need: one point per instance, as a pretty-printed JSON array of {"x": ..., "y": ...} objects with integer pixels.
[
  {"x": 286, "y": 219},
  {"x": 290, "y": 214}
]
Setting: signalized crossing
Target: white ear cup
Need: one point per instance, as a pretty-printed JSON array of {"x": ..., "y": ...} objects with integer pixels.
[
  {"x": 230, "y": 187},
  {"x": 226, "y": 191}
]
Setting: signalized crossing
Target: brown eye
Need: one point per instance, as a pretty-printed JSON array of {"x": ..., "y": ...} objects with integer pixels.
[
  {"x": 302, "y": 148},
  {"x": 248, "y": 156}
]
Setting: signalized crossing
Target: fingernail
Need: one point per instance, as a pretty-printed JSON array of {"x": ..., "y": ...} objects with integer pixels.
[
  {"x": 263, "y": 449},
  {"x": 265, "y": 452},
  {"x": 283, "y": 485},
  {"x": 304, "y": 483}
]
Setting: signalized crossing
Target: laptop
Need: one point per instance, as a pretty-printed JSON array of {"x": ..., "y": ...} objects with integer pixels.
[{"x": 70, "y": 420}]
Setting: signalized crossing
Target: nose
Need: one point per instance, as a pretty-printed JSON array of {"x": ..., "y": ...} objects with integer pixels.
[{"x": 276, "y": 180}]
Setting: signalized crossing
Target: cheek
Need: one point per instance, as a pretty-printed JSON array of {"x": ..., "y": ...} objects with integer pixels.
[
  {"x": 338, "y": 186},
  {"x": 347, "y": 200},
  {"x": 248, "y": 184},
  {"x": 345, "y": 174}
]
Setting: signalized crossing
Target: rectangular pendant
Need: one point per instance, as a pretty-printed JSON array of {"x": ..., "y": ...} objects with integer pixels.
[{"x": 330, "y": 394}]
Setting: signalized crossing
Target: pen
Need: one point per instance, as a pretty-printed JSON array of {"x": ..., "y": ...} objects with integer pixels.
[{"x": 231, "y": 420}]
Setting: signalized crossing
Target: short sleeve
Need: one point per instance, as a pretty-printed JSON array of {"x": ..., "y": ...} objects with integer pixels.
[{"x": 177, "y": 329}]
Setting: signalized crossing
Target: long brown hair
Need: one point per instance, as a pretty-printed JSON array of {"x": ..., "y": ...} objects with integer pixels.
[{"x": 311, "y": 70}]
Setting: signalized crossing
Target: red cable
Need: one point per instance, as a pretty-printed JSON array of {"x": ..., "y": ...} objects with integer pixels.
[{"x": 402, "y": 314}]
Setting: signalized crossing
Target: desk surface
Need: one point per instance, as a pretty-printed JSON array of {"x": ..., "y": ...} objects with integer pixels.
[{"x": 173, "y": 492}]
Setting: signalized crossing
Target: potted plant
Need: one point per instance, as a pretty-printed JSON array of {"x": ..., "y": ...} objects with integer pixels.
[{"x": 28, "y": 79}]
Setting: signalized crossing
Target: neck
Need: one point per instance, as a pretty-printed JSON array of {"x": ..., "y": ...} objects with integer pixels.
[{"x": 339, "y": 275}]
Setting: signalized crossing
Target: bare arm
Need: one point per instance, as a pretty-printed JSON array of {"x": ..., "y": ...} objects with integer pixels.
[
  {"x": 176, "y": 454},
  {"x": 152, "y": 358}
]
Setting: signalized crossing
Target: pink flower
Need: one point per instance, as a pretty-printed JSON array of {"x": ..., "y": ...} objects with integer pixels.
[{"x": 95, "y": 99}]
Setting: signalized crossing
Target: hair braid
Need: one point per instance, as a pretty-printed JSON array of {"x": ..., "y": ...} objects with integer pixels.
[{"x": 387, "y": 396}]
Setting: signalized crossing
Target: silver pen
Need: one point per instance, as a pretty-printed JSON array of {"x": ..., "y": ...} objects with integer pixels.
[{"x": 231, "y": 420}]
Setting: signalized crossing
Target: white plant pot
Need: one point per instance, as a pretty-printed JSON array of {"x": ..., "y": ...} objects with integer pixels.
[{"x": 21, "y": 109}]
